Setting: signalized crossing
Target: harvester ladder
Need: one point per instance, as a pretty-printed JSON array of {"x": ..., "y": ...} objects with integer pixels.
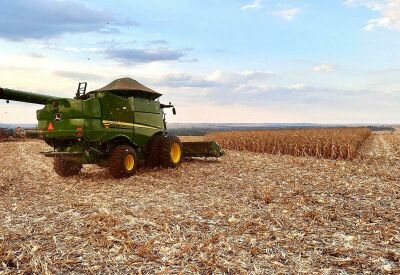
[{"x": 81, "y": 89}]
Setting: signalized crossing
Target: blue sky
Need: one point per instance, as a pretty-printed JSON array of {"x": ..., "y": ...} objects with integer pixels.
[{"x": 323, "y": 61}]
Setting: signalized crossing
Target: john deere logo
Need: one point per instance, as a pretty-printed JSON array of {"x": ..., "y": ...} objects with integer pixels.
[{"x": 57, "y": 117}]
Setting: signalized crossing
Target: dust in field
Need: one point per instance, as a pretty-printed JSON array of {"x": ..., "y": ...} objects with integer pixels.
[{"x": 245, "y": 213}]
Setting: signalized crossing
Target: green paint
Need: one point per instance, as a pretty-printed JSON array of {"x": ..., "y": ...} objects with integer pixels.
[{"x": 89, "y": 127}]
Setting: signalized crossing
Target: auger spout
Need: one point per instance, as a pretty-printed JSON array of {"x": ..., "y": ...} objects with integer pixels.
[{"x": 22, "y": 96}]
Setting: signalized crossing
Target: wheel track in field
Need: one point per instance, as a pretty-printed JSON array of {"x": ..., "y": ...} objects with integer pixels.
[
  {"x": 382, "y": 146},
  {"x": 387, "y": 150}
]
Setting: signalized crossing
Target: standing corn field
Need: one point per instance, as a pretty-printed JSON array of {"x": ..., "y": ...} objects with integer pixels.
[{"x": 330, "y": 143}]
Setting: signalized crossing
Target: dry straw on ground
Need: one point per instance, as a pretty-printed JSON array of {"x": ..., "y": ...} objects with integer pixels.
[
  {"x": 330, "y": 143},
  {"x": 247, "y": 213},
  {"x": 6, "y": 136}
]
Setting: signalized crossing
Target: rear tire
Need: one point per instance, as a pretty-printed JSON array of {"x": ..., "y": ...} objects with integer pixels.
[
  {"x": 171, "y": 153},
  {"x": 66, "y": 168},
  {"x": 153, "y": 155},
  {"x": 122, "y": 162}
]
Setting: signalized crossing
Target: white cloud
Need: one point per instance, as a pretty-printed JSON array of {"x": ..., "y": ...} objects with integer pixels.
[
  {"x": 130, "y": 56},
  {"x": 183, "y": 80},
  {"x": 227, "y": 96},
  {"x": 216, "y": 79},
  {"x": 72, "y": 49},
  {"x": 388, "y": 10},
  {"x": 257, "y": 4},
  {"x": 245, "y": 81},
  {"x": 297, "y": 86},
  {"x": 288, "y": 14},
  {"x": 324, "y": 68},
  {"x": 39, "y": 19}
]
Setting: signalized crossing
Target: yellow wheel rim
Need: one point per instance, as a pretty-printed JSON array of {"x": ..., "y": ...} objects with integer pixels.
[
  {"x": 129, "y": 162},
  {"x": 176, "y": 153}
]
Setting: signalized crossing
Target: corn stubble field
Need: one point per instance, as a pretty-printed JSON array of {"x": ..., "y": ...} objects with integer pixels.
[{"x": 246, "y": 213}]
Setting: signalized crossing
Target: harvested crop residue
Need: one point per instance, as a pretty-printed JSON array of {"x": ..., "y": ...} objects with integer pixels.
[{"x": 246, "y": 213}]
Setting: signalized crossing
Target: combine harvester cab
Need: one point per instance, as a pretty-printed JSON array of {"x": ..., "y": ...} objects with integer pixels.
[{"x": 118, "y": 126}]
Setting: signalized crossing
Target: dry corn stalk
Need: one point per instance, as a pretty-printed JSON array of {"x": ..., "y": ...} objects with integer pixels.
[{"x": 330, "y": 143}]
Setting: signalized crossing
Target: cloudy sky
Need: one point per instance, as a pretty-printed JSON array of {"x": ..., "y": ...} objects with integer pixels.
[{"x": 335, "y": 61}]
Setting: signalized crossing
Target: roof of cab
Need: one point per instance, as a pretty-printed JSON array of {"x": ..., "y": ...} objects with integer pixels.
[{"x": 128, "y": 85}]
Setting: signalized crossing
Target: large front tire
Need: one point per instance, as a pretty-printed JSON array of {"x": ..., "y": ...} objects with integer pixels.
[
  {"x": 171, "y": 153},
  {"x": 66, "y": 168},
  {"x": 122, "y": 162},
  {"x": 153, "y": 155}
]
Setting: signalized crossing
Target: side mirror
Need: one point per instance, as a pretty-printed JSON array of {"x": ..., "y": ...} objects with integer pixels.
[{"x": 174, "y": 111}]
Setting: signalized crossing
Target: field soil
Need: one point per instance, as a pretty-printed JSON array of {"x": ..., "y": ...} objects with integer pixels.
[{"x": 245, "y": 213}]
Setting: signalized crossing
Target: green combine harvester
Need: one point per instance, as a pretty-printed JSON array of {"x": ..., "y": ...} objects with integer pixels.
[{"x": 118, "y": 126}]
